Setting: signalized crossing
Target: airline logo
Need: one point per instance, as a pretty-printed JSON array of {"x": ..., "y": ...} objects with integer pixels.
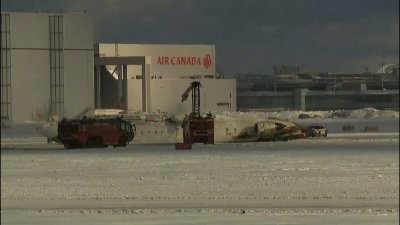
[
  {"x": 184, "y": 61},
  {"x": 207, "y": 61}
]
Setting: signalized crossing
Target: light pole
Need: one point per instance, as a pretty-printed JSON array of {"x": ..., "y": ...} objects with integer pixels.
[
  {"x": 334, "y": 84},
  {"x": 382, "y": 64}
]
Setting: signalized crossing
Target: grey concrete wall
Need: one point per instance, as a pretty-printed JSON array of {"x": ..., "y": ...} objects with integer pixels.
[
  {"x": 317, "y": 100},
  {"x": 78, "y": 32},
  {"x": 300, "y": 99},
  {"x": 30, "y": 85},
  {"x": 78, "y": 63},
  {"x": 265, "y": 100},
  {"x": 30, "y": 65},
  {"x": 29, "y": 30},
  {"x": 78, "y": 81},
  {"x": 352, "y": 100}
]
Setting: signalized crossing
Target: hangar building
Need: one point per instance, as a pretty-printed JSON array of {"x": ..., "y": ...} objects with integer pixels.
[
  {"x": 46, "y": 65},
  {"x": 50, "y": 66},
  {"x": 168, "y": 72}
]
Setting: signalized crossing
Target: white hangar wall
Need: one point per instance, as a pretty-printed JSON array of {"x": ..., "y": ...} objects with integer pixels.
[
  {"x": 169, "y": 68},
  {"x": 30, "y": 85},
  {"x": 78, "y": 81},
  {"x": 215, "y": 95},
  {"x": 78, "y": 63},
  {"x": 30, "y": 79},
  {"x": 168, "y": 61},
  {"x": 41, "y": 59}
]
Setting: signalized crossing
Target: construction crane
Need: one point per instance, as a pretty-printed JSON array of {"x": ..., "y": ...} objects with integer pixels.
[
  {"x": 195, "y": 88},
  {"x": 196, "y": 128}
]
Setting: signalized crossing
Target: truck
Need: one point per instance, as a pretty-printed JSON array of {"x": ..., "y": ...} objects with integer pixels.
[
  {"x": 95, "y": 132},
  {"x": 196, "y": 128},
  {"x": 317, "y": 130}
]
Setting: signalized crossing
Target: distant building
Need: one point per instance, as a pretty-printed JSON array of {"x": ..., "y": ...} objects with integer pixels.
[
  {"x": 167, "y": 73},
  {"x": 290, "y": 89}
]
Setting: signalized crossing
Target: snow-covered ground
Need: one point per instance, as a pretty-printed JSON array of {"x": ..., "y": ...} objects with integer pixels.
[
  {"x": 309, "y": 181},
  {"x": 347, "y": 178}
]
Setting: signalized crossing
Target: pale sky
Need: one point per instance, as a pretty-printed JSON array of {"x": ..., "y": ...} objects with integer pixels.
[{"x": 250, "y": 36}]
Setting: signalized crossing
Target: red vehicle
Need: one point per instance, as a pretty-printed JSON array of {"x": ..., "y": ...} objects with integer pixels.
[
  {"x": 196, "y": 128},
  {"x": 90, "y": 133}
]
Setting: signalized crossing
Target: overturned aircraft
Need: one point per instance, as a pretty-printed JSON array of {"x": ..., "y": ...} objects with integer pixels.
[
  {"x": 226, "y": 129},
  {"x": 271, "y": 129}
]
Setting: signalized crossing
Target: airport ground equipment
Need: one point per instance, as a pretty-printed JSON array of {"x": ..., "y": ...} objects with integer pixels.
[
  {"x": 318, "y": 130},
  {"x": 196, "y": 128},
  {"x": 95, "y": 132}
]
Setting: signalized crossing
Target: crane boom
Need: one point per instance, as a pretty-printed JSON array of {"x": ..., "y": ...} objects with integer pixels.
[
  {"x": 195, "y": 88},
  {"x": 196, "y": 129}
]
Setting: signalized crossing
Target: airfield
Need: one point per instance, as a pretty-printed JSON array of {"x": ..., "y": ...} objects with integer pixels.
[
  {"x": 346, "y": 178},
  {"x": 329, "y": 181}
]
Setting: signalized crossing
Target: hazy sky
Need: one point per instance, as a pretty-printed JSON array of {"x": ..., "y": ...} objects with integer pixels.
[{"x": 340, "y": 36}]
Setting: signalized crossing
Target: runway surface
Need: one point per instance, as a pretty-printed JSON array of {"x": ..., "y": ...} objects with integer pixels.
[{"x": 335, "y": 180}]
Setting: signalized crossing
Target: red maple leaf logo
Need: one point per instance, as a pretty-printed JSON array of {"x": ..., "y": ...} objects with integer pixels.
[{"x": 207, "y": 61}]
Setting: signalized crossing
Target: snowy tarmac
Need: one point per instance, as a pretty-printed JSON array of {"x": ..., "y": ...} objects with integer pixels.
[{"x": 341, "y": 179}]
